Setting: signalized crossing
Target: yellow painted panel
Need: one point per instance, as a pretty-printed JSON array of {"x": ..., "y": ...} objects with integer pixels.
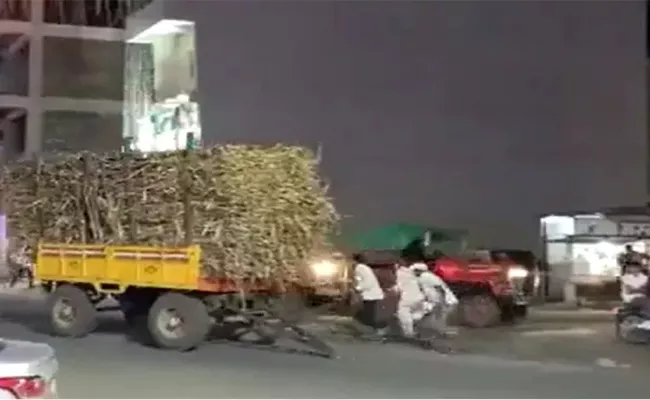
[{"x": 147, "y": 266}]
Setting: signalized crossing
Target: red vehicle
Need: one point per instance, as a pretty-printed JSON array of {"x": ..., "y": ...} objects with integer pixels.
[
  {"x": 489, "y": 291},
  {"x": 488, "y": 284}
]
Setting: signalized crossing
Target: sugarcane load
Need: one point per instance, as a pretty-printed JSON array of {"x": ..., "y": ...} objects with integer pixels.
[
  {"x": 184, "y": 241},
  {"x": 256, "y": 212}
]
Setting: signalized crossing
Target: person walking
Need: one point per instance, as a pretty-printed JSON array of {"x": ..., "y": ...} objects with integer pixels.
[
  {"x": 411, "y": 300},
  {"x": 371, "y": 294}
]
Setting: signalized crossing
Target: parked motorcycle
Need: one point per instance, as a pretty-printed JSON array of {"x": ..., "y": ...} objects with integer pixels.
[{"x": 632, "y": 324}]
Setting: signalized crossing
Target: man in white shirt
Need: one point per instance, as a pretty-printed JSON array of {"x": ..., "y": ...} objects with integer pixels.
[
  {"x": 440, "y": 301},
  {"x": 410, "y": 307},
  {"x": 423, "y": 294},
  {"x": 371, "y": 293},
  {"x": 633, "y": 283}
]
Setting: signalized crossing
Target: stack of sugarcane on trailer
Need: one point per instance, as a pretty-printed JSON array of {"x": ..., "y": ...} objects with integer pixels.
[{"x": 184, "y": 241}]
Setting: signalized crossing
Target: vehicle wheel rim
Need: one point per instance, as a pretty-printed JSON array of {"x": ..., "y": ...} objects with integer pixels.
[
  {"x": 170, "y": 324},
  {"x": 64, "y": 313}
]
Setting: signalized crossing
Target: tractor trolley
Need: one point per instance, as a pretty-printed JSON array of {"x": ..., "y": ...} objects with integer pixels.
[{"x": 163, "y": 296}]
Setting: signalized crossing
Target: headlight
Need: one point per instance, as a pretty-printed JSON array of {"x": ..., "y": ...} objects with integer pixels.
[
  {"x": 517, "y": 272},
  {"x": 324, "y": 269}
]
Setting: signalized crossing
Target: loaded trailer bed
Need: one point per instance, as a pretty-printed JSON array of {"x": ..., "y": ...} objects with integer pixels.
[{"x": 163, "y": 295}]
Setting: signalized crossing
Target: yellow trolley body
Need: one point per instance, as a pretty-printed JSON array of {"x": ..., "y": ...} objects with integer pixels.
[
  {"x": 112, "y": 269},
  {"x": 160, "y": 290}
]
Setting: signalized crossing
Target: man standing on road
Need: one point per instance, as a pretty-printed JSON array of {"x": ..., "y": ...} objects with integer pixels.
[{"x": 368, "y": 288}]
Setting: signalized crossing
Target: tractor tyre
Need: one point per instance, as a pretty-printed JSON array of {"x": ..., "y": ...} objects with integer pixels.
[
  {"x": 72, "y": 313},
  {"x": 178, "y": 322},
  {"x": 479, "y": 311}
]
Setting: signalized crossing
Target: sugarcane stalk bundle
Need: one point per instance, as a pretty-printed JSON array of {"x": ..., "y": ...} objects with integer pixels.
[{"x": 257, "y": 212}]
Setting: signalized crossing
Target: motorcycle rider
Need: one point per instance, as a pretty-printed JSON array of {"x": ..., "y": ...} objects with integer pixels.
[
  {"x": 634, "y": 283},
  {"x": 634, "y": 289},
  {"x": 630, "y": 256}
]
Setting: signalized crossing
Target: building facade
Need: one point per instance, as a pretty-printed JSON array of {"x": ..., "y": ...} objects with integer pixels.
[
  {"x": 478, "y": 115},
  {"x": 61, "y": 75}
]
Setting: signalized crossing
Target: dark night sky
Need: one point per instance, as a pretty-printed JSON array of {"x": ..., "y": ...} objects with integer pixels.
[{"x": 469, "y": 114}]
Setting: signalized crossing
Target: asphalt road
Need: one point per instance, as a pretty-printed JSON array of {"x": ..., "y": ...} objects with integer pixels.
[{"x": 108, "y": 365}]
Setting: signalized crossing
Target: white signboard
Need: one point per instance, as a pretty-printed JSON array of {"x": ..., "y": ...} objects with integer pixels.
[
  {"x": 638, "y": 229},
  {"x": 595, "y": 227}
]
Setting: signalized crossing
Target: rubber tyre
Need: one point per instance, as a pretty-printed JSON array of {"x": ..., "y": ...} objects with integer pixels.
[
  {"x": 479, "y": 311},
  {"x": 196, "y": 322},
  {"x": 85, "y": 320}
]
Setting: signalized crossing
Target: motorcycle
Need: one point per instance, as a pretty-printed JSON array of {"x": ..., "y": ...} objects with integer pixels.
[{"x": 633, "y": 324}]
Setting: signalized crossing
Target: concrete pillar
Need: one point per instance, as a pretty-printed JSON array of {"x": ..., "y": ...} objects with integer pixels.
[
  {"x": 11, "y": 141},
  {"x": 34, "y": 137},
  {"x": 570, "y": 293}
]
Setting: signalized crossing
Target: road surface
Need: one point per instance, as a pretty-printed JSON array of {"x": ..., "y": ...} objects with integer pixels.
[{"x": 108, "y": 365}]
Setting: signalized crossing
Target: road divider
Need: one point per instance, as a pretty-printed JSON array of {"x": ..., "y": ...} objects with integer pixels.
[{"x": 559, "y": 332}]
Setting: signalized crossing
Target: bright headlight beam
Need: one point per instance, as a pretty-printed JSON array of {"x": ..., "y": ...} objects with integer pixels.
[
  {"x": 517, "y": 272},
  {"x": 324, "y": 268}
]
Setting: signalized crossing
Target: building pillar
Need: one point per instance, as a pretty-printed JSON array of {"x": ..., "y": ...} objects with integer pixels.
[
  {"x": 11, "y": 141},
  {"x": 34, "y": 136},
  {"x": 647, "y": 97},
  {"x": 647, "y": 125},
  {"x": 570, "y": 293}
]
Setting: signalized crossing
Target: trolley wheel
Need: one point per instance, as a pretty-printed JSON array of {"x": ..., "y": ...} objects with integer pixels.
[
  {"x": 72, "y": 313},
  {"x": 178, "y": 322},
  {"x": 479, "y": 311}
]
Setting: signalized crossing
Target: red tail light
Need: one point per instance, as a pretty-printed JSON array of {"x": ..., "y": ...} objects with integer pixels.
[{"x": 25, "y": 387}]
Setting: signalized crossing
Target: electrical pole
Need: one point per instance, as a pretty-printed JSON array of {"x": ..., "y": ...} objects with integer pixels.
[{"x": 5, "y": 273}]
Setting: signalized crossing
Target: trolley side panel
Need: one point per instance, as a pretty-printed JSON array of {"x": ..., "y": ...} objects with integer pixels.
[
  {"x": 120, "y": 266},
  {"x": 65, "y": 262}
]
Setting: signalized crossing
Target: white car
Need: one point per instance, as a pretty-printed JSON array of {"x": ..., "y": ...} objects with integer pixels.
[{"x": 27, "y": 370}]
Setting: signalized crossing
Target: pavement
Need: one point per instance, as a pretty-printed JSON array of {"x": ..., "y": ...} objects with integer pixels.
[{"x": 536, "y": 359}]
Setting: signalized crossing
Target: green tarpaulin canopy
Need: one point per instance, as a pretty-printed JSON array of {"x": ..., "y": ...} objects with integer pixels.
[{"x": 398, "y": 236}]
